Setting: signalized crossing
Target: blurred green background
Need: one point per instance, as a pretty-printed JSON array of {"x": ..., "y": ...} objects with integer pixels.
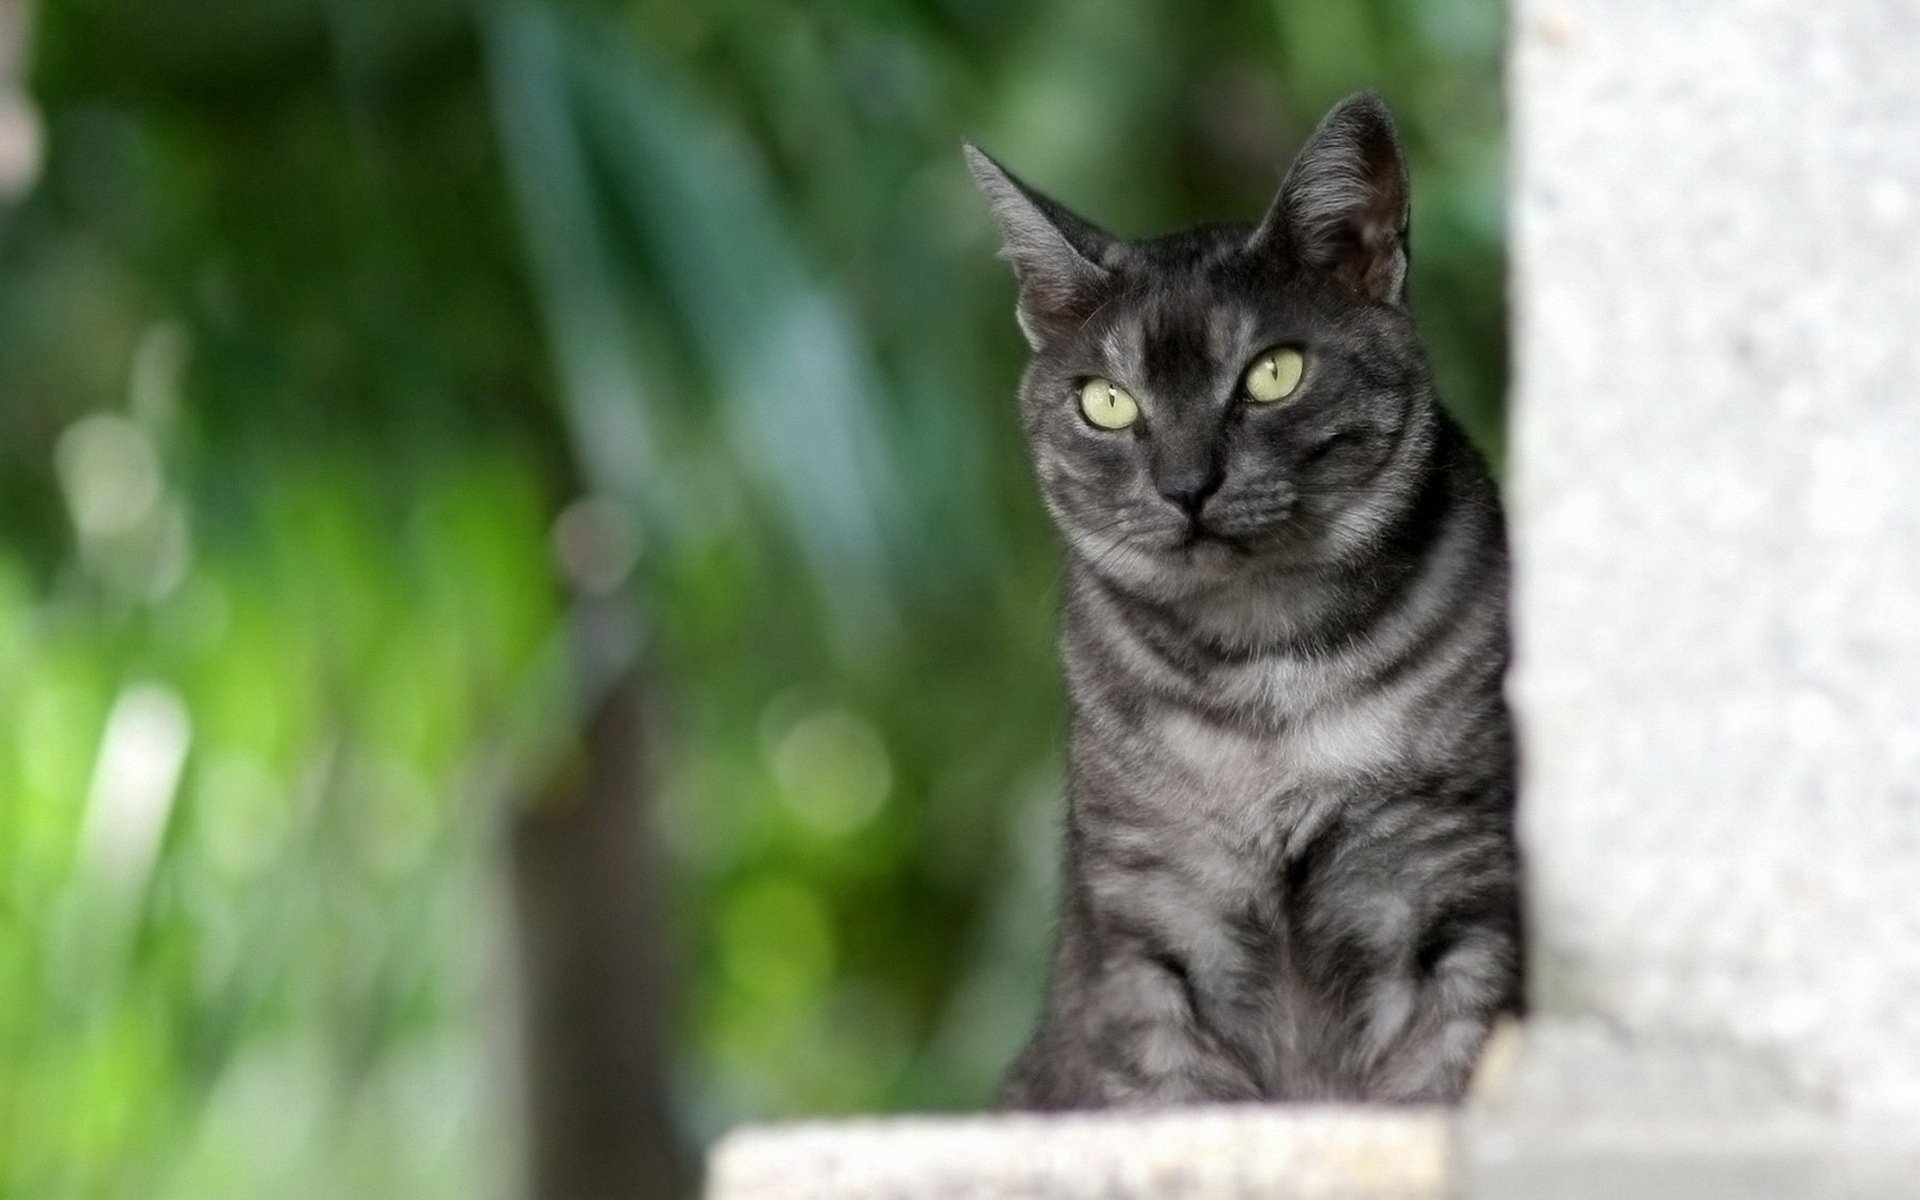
[{"x": 525, "y": 633}]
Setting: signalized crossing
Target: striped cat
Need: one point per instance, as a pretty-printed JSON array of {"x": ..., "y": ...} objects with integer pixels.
[{"x": 1290, "y": 864}]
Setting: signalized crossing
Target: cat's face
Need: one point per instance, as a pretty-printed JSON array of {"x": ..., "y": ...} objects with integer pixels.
[
  {"x": 1224, "y": 410},
  {"x": 1205, "y": 405}
]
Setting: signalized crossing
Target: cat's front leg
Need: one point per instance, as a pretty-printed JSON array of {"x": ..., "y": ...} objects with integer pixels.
[
  {"x": 1455, "y": 1001},
  {"x": 1163, "y": 1050},
  {"x": 1129, "y": 1036}
]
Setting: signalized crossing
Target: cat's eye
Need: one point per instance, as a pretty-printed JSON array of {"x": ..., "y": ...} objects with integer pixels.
[
  {"x": 1275, "y": 374},
  {"x": 1107, "y": 404}
]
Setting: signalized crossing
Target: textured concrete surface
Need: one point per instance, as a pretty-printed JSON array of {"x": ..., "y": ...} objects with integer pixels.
[
  {"x": 1240, "y": 1153},
  {"x": 1579, "y": 1110},
  {"x": 1716, "y": 485}
]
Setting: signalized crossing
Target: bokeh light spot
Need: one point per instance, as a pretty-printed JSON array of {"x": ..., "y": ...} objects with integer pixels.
[{"x": 833, "y": 771}]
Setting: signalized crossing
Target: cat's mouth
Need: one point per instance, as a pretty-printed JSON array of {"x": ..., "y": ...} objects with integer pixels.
[{"x": 1199, "y": 533}]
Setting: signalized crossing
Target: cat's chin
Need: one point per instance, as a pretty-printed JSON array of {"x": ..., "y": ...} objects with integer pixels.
[
  {"x": 1177, "y": 569},
  {"x": 1213, "y": 553},
  {"x": 1192, "y": 563}
]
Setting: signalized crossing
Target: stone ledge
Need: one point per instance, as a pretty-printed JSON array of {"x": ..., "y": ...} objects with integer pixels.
[{"x": 1221, "y": 1153}]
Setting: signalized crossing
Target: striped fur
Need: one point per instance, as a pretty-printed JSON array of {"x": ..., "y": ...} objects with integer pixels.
[{"x": 1290, "y": 868}]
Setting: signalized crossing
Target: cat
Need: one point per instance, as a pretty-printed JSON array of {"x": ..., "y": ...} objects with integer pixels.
[{"x": 1290, "y": 868}]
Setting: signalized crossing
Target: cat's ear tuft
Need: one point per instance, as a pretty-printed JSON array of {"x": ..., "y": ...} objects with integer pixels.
[
  {"x": 1344, "y": 204},
  {"x": 1057, "y": 257}
]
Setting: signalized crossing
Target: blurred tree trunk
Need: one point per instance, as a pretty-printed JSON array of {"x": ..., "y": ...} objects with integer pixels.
[{"x": 593, "y": 998}]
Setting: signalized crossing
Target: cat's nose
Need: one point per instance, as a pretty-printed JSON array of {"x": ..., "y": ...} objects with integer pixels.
[{"x": 1187, "y": 489}]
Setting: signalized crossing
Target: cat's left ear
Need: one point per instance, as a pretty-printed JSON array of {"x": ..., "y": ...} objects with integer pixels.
[{"x": 1344, "y": 204}]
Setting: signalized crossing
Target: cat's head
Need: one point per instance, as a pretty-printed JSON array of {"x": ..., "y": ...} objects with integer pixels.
[{"x": 1207, "y": 404}]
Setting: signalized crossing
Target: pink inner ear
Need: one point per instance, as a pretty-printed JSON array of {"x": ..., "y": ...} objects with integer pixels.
[
  {"x": 1381, "y": 265},
  {"x": 1365, "y": 251}
]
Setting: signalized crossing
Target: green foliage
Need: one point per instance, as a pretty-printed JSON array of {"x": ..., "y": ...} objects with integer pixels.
[{"x": 321, "y": 317}]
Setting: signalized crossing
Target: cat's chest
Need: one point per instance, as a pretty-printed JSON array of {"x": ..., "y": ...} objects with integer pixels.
[
  {"x": 1314, "y": 745},
  {"x": 1294, "y": 738}
]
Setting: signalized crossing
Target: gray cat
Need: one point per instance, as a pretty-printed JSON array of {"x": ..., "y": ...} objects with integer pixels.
[{"x": 1290, "y": 865}]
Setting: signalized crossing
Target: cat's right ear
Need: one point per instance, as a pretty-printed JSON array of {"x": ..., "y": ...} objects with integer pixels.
[{"x": 1056, "y": 256}]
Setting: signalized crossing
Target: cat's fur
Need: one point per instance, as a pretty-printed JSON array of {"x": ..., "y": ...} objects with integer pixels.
[{"x": 1290, "y": 866}]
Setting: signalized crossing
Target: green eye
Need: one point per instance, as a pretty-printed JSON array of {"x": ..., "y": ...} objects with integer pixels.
[
  {"x": 1107, "y": 404},
  {"x": 1275, "y": 374}
]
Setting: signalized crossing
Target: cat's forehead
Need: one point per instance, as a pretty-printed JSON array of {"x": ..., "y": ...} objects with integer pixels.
[{"x": 1180, "y": 337}]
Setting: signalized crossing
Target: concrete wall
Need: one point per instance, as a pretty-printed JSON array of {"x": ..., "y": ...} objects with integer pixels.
[{"x": 1716, "y": 493}]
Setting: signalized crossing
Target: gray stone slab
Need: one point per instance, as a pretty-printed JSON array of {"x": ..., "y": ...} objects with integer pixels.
[
  {"x": 1583, "y": 1111},
  {"x": 1226, "y": 1153}
]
